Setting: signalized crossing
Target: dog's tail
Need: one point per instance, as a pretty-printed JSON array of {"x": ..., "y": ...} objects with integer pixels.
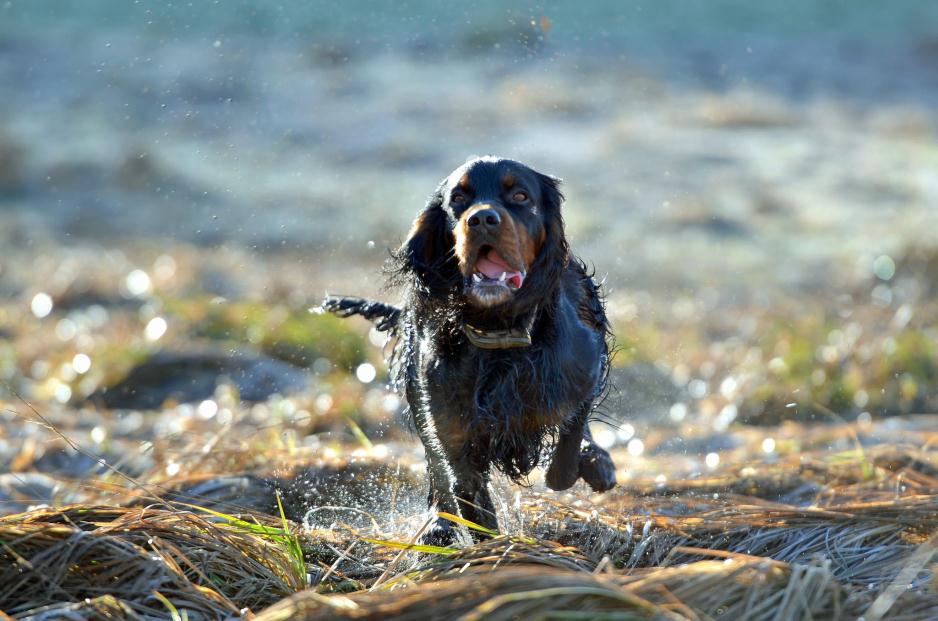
[{"x": 384, "y": 315}]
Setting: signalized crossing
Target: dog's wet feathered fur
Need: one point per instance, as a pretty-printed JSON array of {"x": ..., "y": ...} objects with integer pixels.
[{"x": 506, "y": 407}]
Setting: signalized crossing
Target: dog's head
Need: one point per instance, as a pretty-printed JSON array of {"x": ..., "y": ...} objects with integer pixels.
[{"x": 493, "y": 229}]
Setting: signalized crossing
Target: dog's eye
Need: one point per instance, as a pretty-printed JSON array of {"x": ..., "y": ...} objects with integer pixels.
[
  {"x": 457, "y": 198},
  {"x": 520, "y": 197}
]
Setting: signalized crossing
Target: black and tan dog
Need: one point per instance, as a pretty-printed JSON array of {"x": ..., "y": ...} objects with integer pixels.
[{"x": 502, "y": 341}]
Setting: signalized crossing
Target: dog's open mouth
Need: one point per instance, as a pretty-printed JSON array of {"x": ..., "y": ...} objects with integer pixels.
[{"x": 493, "y": 271}]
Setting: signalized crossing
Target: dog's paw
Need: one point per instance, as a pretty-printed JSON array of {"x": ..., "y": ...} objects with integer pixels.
[
  {"x": 561, "y": 475},
  {"x": 442, "y": 533},
  {"x": 597, "y": 469}
]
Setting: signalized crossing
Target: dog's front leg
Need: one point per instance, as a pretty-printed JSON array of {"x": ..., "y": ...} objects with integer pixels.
[
  {"x": 578, "y": 456},
  {"x": 564, "y": 467},
  {"x": 472, "y": 493},
  {"x": 442, "y": 499},
  {"x": 439, "y": 470}
]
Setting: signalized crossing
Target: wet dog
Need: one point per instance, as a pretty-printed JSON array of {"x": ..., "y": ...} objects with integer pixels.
[{"x": 502, "y": 342}]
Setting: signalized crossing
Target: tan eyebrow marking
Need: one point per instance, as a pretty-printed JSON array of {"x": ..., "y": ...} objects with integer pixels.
[
  {"x": 463, "y": 182},
  {"x": 508, "y": 180}
]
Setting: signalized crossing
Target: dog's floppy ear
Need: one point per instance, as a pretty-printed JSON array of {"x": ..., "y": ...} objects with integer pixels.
[
  {"x": 556, "y": 242},
  {"x": 550, "y": 190},
  {"x": 428, "y": 250}
]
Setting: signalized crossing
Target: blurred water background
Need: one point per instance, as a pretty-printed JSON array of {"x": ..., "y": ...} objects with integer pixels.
[{"x": 703, "y": 143}]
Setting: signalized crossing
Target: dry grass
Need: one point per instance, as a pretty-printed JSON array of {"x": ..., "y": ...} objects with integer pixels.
[
  {"x": 735, "y": 588},
  {"x": 824, "y": 534},
  {"x": 861, "y": 542},
  {"x": 150, "y": 559},
  {"x": 821, "y": 534}
]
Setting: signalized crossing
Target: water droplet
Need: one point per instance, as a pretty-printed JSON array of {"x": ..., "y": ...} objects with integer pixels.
[
  {"x": 324, "y": 403},
  {"x": 726, "y": 416},
  {"x": 155, "y": 329},
  {"x": 207, "y": 409},
  {"x": 164, "y": 267},
  {"x": 391, "y": 403},
  {"x": 728, "y": 387},
  {"x": 138, "y": 283},
  {"x": 41, "y": 305},
  {"x": 697, "y": 388},
  {"x": 626, "y": 432},
  {"x": 884, "y": 267},
  {"x": 778, "y": 366},
  {"x": 63, "y": 392},
  {"x": 98, "y": 434},
  {"x": 605, "y": 438},
  {"x": 81, "y": 363},
  {"x": 678, "y": 412},
  {"x": 635, "y": 447},
  {"x": 366, "y": 372},
  {"x": 377, "y": 338}
]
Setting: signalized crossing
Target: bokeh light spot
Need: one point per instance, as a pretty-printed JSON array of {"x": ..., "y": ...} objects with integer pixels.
[
  {"x": 155, "y": 329},
  {"x": 635, "y": 447},
  {"x": 81, "y": 363},
  {"x": 366, "y": 373},
  {"x": 884, "y": 267},
  {"x": 41, "y": 305}
]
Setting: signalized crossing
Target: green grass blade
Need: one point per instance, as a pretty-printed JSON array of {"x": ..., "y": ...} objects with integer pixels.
[
  {"x": 438, "y": 550},
  {"x": 258, "y": 529},
  {"x": 173, "y": 612},
  {"x": 464, "y": 522},
  {"x": 292, "y": 544},
  {"x": 359, "y": 434}
]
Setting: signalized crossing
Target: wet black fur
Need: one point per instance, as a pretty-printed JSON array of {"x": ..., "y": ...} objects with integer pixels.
[{"x": 473, "y": 408}]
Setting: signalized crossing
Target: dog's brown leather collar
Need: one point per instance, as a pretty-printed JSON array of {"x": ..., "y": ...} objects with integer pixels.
[{"x": 500, "y": 339}]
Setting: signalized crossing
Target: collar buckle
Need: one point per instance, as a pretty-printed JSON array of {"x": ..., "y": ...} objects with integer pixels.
[{"x": 509, "y": 338}]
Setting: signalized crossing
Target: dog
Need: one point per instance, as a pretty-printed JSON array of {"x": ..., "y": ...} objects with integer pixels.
[{"x": 502, "y": 343}]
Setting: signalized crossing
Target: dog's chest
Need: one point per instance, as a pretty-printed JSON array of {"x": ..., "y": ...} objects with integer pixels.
[{"x": 522, "y": 387}]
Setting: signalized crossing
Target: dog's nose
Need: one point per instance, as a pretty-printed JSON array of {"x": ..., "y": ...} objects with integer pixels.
[{"x": 485, "y": 219}]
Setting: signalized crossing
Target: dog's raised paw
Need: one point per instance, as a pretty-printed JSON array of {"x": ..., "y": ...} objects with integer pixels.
[{"x": 597, "y": 469}]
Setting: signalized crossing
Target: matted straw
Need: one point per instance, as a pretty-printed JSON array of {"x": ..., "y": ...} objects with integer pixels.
[
  {"x": 510, "y": 593},
  {"x": 866, "y": 543},
  {"x": 144, "y": 557}
]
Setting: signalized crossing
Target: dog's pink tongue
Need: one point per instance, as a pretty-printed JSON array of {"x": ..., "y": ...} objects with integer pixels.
[{"x": 493, "y": 265}]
